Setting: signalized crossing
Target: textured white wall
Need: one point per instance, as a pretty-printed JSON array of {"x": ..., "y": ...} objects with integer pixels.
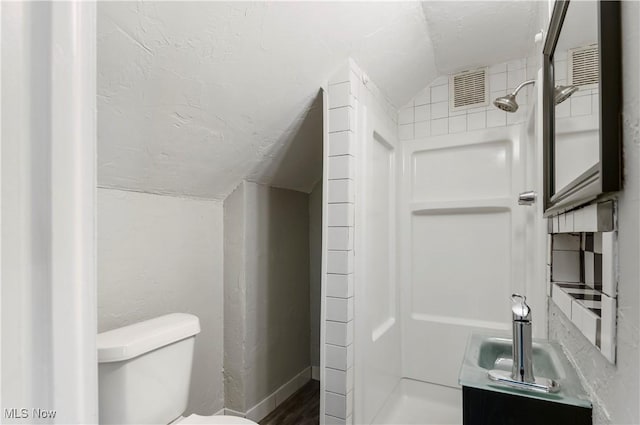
[
  {"x": 467, "y": 33},
  {"x": 159, "y": 255},
  {"x": 234, "y": 299},
  {"x": 211, "y": 92},
  {"x": 266, "y": 291},
  {"x": 614, "y": 388},
  {"x": 277, "y": 271}
]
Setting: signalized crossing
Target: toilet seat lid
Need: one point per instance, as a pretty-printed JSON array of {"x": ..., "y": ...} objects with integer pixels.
[{"x": 214, "y": 420}]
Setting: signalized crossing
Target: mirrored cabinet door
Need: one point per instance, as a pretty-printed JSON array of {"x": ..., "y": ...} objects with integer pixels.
[{"x": 582, "y": 143}]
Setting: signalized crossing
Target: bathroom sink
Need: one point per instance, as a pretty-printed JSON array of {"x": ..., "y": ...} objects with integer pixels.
[
  {"x": 489, "y": 352},
  {"x": 495, "y": 353}
]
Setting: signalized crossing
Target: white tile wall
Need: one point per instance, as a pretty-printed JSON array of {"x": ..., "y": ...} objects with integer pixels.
[
  {"x": 597, "y": 242},
  {"x": 439, "y": 127},
  {"x": 585, "y": 320},
  {"x": 338, "y": 380},
  {"x": 580, "y": 105},
  {"x": 346, "y": 91},
  {"x": 608, "y": 331},
  {"x": 458, "y": 124},
  {"x": 341, "y": 143},
  {"x": 340, "y": 262},
  {"x": 477, "y": 120},
  {"x": 498, "y": 81},
  {"x": 609, "y": 271},
  {"x": 339, "y": 357},
  {"x": 583, "y": 102},
  {"x": 339, "y": 333},
  {"x": 440, "y": 110},
  {"x": 340, "y": 95},
  {"x": 339, "y": 285},
  {"x": 422, "y": 113},
  {"x": 422, "y": 129},
  {"x": 342, "y": 167},
  {"x": 565, "y": 266},
  {"x": 496, "y": 118},
  {"x": 589, "y": 272},
  {"x": 339, "y": 309},
  {"x": 336, "y": 404},
  {"x": 562, "y": 300},
  {"x": 340, "y": 238},
  {"x": 590, "y": 218},
  {"x": 566, "y": 242},
  {"x": 428, "y": 113},
  {"x": 555, "y": 224},
  {"x": 338, "y": 349},
  {"x": 569, "y": 223},
  {"x": 340, "y": 214},
  {"x": 332, "y": 420},
  {"x": 405, "y": 131},
  {"x": 341, "y": 119},
  {"x": 341, "y": 191}
]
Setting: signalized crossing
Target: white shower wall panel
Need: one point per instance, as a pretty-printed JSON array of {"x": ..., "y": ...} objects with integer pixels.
[
  {"x": 477, "y": 239},
  {"x": 461, "y": 252},
  {"x": 381, "y": 281},
  {"x": 372, "y": 200},
  {"x": 378, "y": 289},
  {"x": 444, "y": 173}
]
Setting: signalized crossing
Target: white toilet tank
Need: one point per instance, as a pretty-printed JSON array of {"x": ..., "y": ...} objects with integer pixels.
[{"x": 145, "y": 369}]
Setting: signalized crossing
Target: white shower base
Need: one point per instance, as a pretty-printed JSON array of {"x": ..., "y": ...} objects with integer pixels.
[{"x": 417, "y": 402}]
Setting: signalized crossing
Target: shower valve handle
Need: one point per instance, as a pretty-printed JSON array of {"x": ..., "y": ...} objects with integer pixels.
[{"x": 527, "y": 198}]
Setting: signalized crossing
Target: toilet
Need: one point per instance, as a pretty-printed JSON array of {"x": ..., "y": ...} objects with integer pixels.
[{"x": 144, "y": 371}]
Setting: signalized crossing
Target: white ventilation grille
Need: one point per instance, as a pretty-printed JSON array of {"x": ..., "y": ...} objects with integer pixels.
[
  {"x": 583, "y": 66},
  {"x": 468, "y": 89}
]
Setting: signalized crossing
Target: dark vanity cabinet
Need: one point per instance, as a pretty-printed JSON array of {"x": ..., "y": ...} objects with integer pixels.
[{"x": 486, "y": 407}]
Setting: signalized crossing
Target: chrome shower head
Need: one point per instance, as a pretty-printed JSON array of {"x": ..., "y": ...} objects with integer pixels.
[
  {"x": 508, "y": 103},
  {"x": 562, "y": 93}
]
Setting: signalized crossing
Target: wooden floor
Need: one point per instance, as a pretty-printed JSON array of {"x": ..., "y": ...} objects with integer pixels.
[{"x": 302, "y": 408}]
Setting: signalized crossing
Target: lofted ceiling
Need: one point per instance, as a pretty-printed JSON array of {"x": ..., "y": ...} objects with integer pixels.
[
  {"x": 193, "y": 97},
  {"x": 477, "y": 33}
]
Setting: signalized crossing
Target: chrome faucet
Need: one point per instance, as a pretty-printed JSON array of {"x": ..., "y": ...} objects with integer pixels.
[
  {"x": 521, "y": 375},
  {"x": 522, "y": 369}
]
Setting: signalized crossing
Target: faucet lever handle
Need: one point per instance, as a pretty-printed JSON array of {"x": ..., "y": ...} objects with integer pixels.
[{"x": 520, "y": 309}]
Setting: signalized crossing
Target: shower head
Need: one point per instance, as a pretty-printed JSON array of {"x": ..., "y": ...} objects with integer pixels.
[
  {"x": 508, "y": 103},
  {"x": 562, "y": 93}
]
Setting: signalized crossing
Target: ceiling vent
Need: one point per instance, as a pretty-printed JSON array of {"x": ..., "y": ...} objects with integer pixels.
[
  {"x": 583, "y": 66},
  {"x": 469, "y": 89}
]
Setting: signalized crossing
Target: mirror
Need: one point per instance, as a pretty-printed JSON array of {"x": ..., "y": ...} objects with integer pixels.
[{"x": 581, "y": 103}]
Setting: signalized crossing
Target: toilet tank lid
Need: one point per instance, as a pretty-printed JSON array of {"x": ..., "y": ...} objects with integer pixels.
[{"x": 131, "y": 341}]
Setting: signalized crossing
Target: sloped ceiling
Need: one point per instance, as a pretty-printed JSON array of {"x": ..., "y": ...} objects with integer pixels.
[
  {"x": 193, "y": 97},
  {"x": 477, "y": 33}
]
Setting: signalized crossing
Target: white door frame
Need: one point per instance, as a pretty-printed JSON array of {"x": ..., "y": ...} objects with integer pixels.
[{"x": 48, "y": 191}]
